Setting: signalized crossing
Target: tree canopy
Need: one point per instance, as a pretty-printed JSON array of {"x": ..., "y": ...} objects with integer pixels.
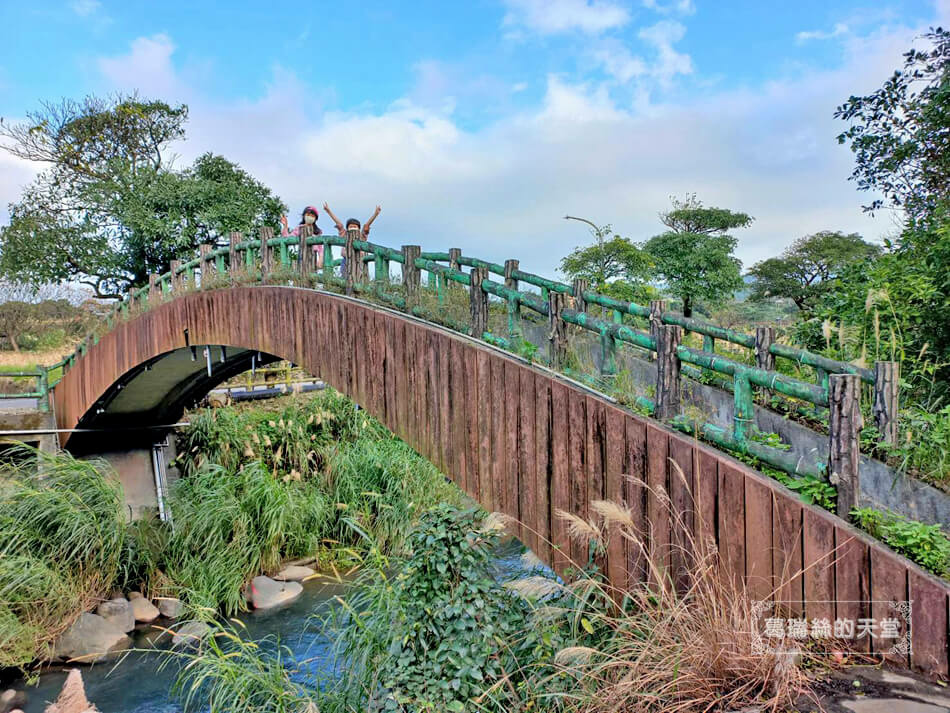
[
  {"x": 110, "y": 208},
  {"x": 809, "y": 267},
  {"x": 695, "y": 256},
  {"x": 609, "y": 258},
  {"x": 900, "y": 134}
]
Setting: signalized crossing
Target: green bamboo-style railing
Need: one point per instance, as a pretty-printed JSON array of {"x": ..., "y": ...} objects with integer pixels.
[
  {"x": 293, "y": 259},
  {"x": 40, "y": 392}
]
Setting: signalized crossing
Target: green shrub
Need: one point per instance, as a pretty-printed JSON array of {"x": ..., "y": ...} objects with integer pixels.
[
  {"x": 439, "y": 631},
  {"x": 51, "y": 339},
  {"x": 927, "y": 545},
  {"x": 29, "y": 342}
]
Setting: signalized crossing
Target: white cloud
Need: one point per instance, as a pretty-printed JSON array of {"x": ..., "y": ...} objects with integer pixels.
[
  {"x": 84, "y": 8},
  {"x": 838, "y": 30},
  {"x": 147, "y": 67},
  {"x": 618, "y": 62},
  {"x": 548, "y": 17},
  {"x": 15, "y": 174},
  {"x": 679, "y": 7},
  {"x": 500, "y": 190},
  {"x": 662, "y": 36}
]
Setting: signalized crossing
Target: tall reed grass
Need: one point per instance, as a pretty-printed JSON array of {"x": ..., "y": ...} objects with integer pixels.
[{"x": 62, "y": 541}]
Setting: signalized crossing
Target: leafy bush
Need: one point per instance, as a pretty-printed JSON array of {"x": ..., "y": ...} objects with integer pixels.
[
  {"x": 440, "y": 634},
  {"x": 927, "y": 545},
  {"x": 28, "y": 341},
  {"x": 924, "y": 450}
]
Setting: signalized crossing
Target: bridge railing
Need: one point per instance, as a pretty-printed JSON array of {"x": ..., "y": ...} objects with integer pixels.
[
  {"x": 37, "y": 385},
  {"x": 836, "y": 387}
]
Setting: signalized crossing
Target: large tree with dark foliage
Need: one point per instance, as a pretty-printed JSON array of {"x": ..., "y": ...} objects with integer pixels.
[
  {"x": 900, "y": 134},
  {"x": 809, "y": 267},
  {"x": 109, "y": 207}
]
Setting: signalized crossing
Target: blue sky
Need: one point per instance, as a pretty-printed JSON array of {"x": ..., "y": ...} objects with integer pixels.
[{"x": 482, "y": 123}]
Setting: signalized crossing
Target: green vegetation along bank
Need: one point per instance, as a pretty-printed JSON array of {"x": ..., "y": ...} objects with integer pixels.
[{"x": 299, "y": 477}]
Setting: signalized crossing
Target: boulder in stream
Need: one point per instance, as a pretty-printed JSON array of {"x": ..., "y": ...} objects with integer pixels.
[
  {"x": 191, "y": 634},
  {"x": 143, "y": 610},
  {"x": 11, "y": 700},
  {"x": 267, "y": 593},
  {"x": 169, "y": 607},
  {"x": 72, "y": 699},
  {"x": 90, "y": 639},
  {"x": 294, "y": 573},
  {"x": 119, "y": 612}
]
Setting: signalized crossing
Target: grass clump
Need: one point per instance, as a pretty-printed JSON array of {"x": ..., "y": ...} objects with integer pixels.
[
  {"x": 231, "y": 526},
  {"x": 305, "y": 477},
  {"x": 62, "y": 541}
]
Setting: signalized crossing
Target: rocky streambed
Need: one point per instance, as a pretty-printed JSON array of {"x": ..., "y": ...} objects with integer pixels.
[{"x": 132, "y": 679}]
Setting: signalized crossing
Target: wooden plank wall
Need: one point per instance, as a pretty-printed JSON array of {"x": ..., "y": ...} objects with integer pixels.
[{"x": 526, "y": 443}]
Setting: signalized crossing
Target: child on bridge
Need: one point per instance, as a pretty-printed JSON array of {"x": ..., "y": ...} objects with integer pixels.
[
  {"x": 351, "y": 223},
  {"x": 308, "y": 217}
]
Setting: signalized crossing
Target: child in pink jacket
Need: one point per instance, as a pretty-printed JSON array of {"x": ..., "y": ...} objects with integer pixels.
[{"x": 308, "y": 217}]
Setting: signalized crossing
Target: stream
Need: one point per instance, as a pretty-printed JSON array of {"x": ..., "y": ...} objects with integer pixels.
[{"x": 137, "y": 685}]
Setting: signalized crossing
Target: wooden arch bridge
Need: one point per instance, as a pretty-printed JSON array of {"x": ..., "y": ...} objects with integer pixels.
[{"x": 518, "y": 434}]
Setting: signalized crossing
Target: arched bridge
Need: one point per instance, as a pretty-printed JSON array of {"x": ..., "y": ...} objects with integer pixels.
[{"x": 518, "y": 436}]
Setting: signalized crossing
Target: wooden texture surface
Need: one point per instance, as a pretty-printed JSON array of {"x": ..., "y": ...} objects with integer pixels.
[{"x": 528, "y": 443}]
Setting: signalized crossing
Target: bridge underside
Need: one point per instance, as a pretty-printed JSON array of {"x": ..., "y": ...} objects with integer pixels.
[
  {"x": 156, "y": 393},
  {"x": 519, "y": 439}
]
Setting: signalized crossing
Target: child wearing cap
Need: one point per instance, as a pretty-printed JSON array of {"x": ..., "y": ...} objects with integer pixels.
[
  {"x": 351, "y": 223},
  {"x": 308, "y": 217}
]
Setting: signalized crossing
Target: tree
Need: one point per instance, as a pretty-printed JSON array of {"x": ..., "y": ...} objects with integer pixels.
[
  {"x": 608, "y": 260},
  {"x": 900, "y": 134},
  {"x": 109, "y": 209},
  {"x": 809, "y": 267},
  {"x": 694, "y": 258}
]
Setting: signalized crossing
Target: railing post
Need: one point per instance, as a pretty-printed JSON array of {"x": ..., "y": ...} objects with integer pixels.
[
  {"x": 304, "y": 254},
  {"x": 844, "y": 428},
  {"x": 609, "y": 346},
  {"x": 327, "y": 261},
  {"x": 267, "y": 252},
  {"x": 478, "y": 301},
  {"x": 578, "y": 288},
  {"x": 42, "y": 386},
  {"x": 510, "y": 282},
  {"x": 235, "y": 267},
  {"x": 205, "y": 262},
  {"x": 153, "y": 287},
  {"x": 515, "y": 332},
  {"x": 381, "y": 271},
  {"x": 764, "y": 359},
  {"x": 349, "y": 262},
  {"x": 886, "y": 399},
  {"x": 514, "y": 306},
  {"x": 743, "y": 409},
  {"x": 175, "y": 277},
  {"x": 454, "y": 255},
  {"x": 657, "y": 308},
  {"x": 709, "y": 344},
  {"x": 667, "y": 372},
  {"x": 411, "y": 274},
  {"x": 557, "y": 329}
]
